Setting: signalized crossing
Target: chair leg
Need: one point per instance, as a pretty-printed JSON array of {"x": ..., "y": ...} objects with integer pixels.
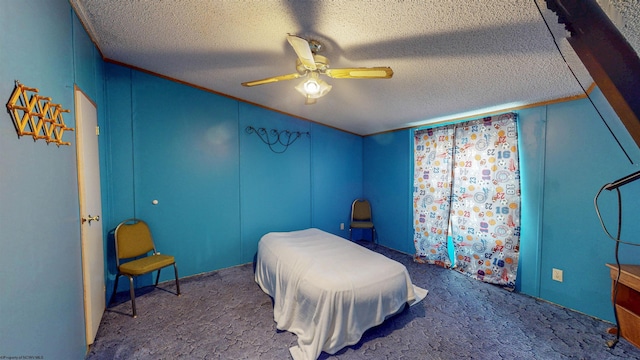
[
  {"x": 158, "y": 277},
  {"x": 132, "y": 293},
  {"x": 175, "y": 269},
  {"x": 115, "y": 289}
]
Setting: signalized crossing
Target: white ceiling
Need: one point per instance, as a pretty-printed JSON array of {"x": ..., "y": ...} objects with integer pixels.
[{"x": 450, "y": 57}]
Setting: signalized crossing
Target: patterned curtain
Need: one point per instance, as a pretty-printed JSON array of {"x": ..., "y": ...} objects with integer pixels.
[
  {"x": 484, "y": 201},
  {"x": 433, "y": 149},
  {"x": 485, "y": 218}
]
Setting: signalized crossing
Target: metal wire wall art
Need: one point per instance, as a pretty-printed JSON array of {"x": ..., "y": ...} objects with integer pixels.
[{"x": 274, "y": 137}]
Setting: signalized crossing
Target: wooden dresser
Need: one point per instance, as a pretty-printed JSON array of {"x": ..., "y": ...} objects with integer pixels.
[{"x": 628, "y": 301}]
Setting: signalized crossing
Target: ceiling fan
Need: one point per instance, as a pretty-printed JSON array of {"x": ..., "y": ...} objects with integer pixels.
[{"x": 311, "y": 65}]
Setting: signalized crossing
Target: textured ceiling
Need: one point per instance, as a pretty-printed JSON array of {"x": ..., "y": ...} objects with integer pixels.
[
  {"x": 625, "y": 14},
  {"x": 450, "y": 57}
]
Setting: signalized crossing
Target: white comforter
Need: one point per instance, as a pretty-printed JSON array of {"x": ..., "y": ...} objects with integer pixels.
[{"x": 327, "y": 290}]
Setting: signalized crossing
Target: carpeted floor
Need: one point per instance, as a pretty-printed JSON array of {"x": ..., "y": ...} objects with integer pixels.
[{"x": 225, "y": 315}]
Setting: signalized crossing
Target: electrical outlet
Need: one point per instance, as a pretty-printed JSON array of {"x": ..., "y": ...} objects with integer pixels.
[
  {"x": 341, "y": 226},
  {"x": 556, "y": 274}
]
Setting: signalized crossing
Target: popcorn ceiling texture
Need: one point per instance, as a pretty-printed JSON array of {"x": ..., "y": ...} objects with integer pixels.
[
  {"x": 625, "y": 14},
  {"x": 449, "y": 56}
]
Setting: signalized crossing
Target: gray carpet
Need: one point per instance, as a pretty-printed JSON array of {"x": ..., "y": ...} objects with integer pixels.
[{"x": 225, "y": 315}]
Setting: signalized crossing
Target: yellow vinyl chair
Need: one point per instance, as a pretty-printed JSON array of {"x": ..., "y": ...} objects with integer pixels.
[
  {"x": 361, "y": 217},
  {"x": 133, "y": 240}
]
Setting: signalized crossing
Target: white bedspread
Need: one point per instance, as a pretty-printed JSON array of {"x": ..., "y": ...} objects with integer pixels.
[{"x": 327, "y": 290}]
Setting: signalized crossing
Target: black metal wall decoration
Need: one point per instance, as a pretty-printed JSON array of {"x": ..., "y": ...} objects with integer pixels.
[{"x": 273, "y": 137}]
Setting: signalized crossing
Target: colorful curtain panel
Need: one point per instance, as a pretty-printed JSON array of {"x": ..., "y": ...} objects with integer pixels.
[
  {"x": 484, "y": 201},
  {"x": 432, "y": 194}
]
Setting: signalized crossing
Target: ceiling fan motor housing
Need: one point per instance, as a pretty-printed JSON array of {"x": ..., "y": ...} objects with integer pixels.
[
  {"x": 322, "y": 64},
  {"x": 315, "y": 46}
]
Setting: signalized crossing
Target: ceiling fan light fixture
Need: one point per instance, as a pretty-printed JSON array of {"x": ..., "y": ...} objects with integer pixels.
[
  {"x": 310, "y": 65},
  {"x": 313, "y": 87}
]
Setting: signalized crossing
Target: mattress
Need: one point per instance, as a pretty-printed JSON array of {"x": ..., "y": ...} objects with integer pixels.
[{"x": 328, "y": 290}]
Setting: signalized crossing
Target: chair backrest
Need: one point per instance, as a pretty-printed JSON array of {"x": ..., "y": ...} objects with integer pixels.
[
  {"x": 133, "y": 238},
  {"x": 361, "y": 210}
]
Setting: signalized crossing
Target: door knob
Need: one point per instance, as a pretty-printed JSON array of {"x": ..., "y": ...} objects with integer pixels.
[{"x": 90, "y": 219}]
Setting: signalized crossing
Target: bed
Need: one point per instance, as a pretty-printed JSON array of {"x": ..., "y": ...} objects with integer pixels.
[{"x": 328, "y": 290}]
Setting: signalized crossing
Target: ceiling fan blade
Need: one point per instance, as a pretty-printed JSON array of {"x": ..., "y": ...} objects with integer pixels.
[
  {"x": 360, "y": 73},
  {"x": 302, "y": 49},
  {"x": 271, "y": 80}
]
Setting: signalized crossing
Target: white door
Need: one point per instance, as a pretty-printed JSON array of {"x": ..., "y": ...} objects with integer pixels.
[{"x": 90, "y": 213}]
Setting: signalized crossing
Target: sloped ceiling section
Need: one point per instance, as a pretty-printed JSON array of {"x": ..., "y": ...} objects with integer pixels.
[
  {"x": 625, "y": 15},
  {"x": 449, "y": 57}
]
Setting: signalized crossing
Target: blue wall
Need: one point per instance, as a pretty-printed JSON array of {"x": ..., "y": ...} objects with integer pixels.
[
  {"x": 387, "y": 184},
  {"x": 219, "y": 188},
  {"x": 336, "y": 178},
  {"x": 276, "y": 187},
  {"x": 566, "y": 155},
  {"x": 41, "y": 304},
  {"x": 580, "y": 157}
]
